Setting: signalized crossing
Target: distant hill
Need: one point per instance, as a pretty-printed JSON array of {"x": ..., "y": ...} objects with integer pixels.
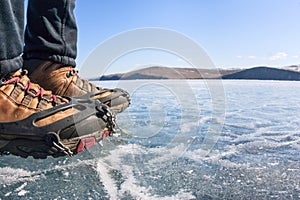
[
  {"x": 264, "y": 73},
  {"x": 169, "y": 73},
  {"x": 256, "y": 73}
]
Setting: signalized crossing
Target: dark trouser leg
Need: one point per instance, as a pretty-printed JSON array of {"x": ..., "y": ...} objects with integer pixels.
[
  {"x": 11, "y": 35},
  {"x": 51, "y": 31}
]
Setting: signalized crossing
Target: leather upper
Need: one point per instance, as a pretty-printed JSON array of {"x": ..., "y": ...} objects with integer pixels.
[{"x": 20, "y": 98}]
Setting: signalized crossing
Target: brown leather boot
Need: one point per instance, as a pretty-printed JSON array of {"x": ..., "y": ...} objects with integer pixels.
[
  {"x": 20, "y": 98},
  {"x": 65, "y": 81},
  {"x": 34, "y": 122}
]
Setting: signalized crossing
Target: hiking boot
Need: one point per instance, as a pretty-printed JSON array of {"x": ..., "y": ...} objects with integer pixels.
[
  {"x": 64, "y": 81},
  {"x": 35, "y": 122}
]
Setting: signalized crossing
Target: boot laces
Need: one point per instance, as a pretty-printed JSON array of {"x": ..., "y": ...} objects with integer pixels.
[{"x": 7, "y": 79}]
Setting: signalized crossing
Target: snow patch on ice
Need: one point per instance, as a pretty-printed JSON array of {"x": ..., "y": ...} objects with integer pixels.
[
  {"x": 131, "y": 171},
  {"x": 10, "y": 175}
]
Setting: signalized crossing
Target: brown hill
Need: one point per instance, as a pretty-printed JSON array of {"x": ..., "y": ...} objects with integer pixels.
[
  {"x": 258, "y": 73},
  {"x": 170, "y": 73}
]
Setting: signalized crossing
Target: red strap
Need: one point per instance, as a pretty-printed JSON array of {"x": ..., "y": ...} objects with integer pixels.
[
  {"x": 105, "y": 134},
  {"x": 85, "y": 143}
]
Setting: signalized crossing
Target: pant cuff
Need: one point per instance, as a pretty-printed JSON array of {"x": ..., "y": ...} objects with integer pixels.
[
  {"x": 66, "y": 60},
  {"x": 11, "y": 65}
]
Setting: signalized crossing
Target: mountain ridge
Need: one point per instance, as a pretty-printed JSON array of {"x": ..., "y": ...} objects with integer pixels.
[{"x": 161, "y": 72}]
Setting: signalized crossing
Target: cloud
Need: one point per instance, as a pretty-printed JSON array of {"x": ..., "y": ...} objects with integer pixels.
[
  {"x": 246, "y": 57},
  {"x": 279, "y": 56},
  {"x": 252, "y": 57}
]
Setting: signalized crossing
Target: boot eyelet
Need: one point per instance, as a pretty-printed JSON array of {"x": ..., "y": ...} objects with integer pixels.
[
  {"x": 68, "y": 75},
  {"x": 2, "y": 81}
]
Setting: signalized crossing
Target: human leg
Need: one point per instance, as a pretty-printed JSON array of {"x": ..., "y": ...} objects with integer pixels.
[
  {"x": 51, "y": 31},
  {"x": 11, "y": 35},
  {"x": 33, "y": 121},
  {"x": 50, "y": 52}
]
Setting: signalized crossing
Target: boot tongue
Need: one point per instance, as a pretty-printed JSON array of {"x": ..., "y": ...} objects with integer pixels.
[
  {"x": 32, "y": 64},
  {"x": 47, "y": 66}
]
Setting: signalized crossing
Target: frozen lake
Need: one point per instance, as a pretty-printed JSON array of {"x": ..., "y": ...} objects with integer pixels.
[{"x": 180, "y": 140}]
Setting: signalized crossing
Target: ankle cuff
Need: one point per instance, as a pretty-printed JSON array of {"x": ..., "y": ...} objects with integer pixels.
[{"x": 11, "y": 65}]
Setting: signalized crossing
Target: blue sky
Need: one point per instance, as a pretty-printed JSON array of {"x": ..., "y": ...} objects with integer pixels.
[{"x": 234, "y": 33}]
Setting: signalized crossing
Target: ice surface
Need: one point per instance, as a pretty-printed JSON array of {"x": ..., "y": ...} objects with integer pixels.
[{"x": 175, "y": 144}]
